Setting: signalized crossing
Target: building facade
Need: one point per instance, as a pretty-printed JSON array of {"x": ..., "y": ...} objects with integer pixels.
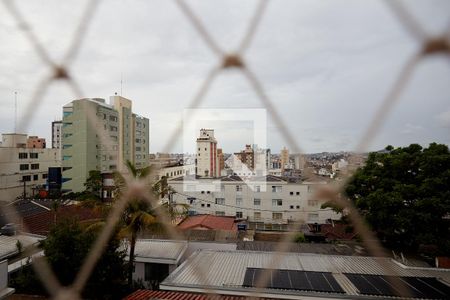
[
  {"x": 100, "y": 136},
  {"x": 284, "y": 157},
  {"x": 36, "y": 142},
  {"x": 22, "y": 169},
  {"x": 134, "y": 133},
  {"x": 264, "y": 200},
  {"x": 57, "y": 134},
  {"x": 206, "y": 163}
]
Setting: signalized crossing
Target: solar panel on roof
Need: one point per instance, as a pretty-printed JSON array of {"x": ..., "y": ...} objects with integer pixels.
[
  {"x": 417, "y": 287},
  {"x": 292, "y": 280}
]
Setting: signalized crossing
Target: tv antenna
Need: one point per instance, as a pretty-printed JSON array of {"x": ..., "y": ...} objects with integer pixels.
[{"x": 15, "y": 112}]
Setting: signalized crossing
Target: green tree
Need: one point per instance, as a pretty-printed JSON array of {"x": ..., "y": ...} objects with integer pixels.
[
  {"x": 404, "y": 193},
  {"x": 94, "y": 183},
  {"x": 66, "y": 247},
  {"x": 137, "y": 215}
]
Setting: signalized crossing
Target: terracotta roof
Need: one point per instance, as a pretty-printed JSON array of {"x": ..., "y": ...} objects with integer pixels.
[
  {"x": 41, "y": 223},
  {"x": 208, "y": 222},
  {"x": 169, "y": 295},
  {"x": 338, "y": 231}
]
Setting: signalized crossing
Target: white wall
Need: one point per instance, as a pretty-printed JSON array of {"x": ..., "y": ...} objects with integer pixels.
[
  {"x": 11, "y": 175},
  {"x": 297, "y": 200}
]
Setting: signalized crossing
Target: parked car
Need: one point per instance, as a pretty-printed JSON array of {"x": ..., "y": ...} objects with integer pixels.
[{"x": 9, "y": 229}]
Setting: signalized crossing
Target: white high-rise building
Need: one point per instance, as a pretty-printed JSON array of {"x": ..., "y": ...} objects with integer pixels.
[{"x": 206, "y": 163}]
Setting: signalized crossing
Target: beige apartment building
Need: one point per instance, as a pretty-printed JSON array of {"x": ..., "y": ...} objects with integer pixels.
[
  {"x": 101, "y": 136},
  {"x": 23, "y": 168},
  {"x": 268, "y": 202}
]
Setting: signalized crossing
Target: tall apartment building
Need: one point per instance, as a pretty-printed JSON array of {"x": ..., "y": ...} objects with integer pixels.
[
  {"x": 23, "y": 168},
  {"x": 100, "y": 136},
  {"x": 284, "y": 157},
  {"x": 36, "y": 142},
  {"x": 267, "y": 202},
  {"x": 206, "y": 163},
  {"x": 56, "y": 135},
  {"x": 134, "y": 137},
  {"x": 247, "y": 157},
  {"x": 221, "y": 160}
]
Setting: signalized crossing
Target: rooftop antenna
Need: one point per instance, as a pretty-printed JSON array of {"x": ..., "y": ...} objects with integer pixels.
[
  {"x": 15, "y": 112},
  {"x": 121, "y": 83}
]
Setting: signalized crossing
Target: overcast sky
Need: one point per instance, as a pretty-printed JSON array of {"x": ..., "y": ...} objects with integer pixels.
[{"x": 325, "y": 64}]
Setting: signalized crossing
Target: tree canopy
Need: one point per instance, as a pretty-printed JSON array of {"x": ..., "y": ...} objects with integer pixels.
[
  {"x": 404, "y": 193},
  {"x": 66, "y": 247}
]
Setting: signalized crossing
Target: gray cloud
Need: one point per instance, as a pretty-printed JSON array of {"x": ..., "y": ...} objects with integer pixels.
[{"x": 326, "y": 65}]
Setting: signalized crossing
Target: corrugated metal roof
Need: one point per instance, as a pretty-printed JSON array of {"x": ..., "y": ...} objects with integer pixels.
[
  {"x": 169, "y": 295},
  {"x": 226, "y": 269},
  {"x": 159, "y": 251},
  {"x": 8, "y": 244}
]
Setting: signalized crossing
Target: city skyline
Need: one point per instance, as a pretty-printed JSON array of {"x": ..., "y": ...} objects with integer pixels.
[{"x": 331, "y": 77}]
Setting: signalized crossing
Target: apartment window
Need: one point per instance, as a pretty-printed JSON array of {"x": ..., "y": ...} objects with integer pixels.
[
  {"x": 26, "y": 178},
  {"x": 113, "y": 138},
  {"x": 239, "y": 214},
  {"x": 220, "y": 201},
  {"x": 291, "y": 207},
  {"x": 203, "y": 192},
  {"x": 257, "y": 215},
  {"x": 208, "y": 205},
  {"x": 208, "y": 192},
  {"x": 23, "y": 167},
  {"x": 238, "y": 201},
  {"x": 257, "y": 202},
  {"x": 220, "y": 213},
  {"x": 44, "y": 176},
  {"x": 277, "y": 202},
  {"x": 113, "y": 118},
  {"x": 34, "y": 166},
  {"x": 203, "y": 204},
  {"x": 297, "y": 207},
  {"x": 33, "y": 155},
  {"x": 239, "y": 188},
  {"x": 191, "y": 200},
  {"x": 310, "y": 189},
  {"x": 23, "y": 155},
  {"x": 113, "y": 128},
  {"x": 35, "y": 177},
  {"x": 257, "y": 188},
  {"x": 277, "y": 216},
  {"x": 313, "y": 202},
  {"x": 291, "y": 193},
  {"x": 138, "y": 140},
  {"x": 112, "y": 167},
  {"x": 297, "y": 193},
  {"x": 104, "y": 116},
  {"x": 276, "y": 188}
]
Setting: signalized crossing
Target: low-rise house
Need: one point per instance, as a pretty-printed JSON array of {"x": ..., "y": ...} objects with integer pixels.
[
  {"x": 156, "y": 259},
  {"x": 208, "y": 222}
]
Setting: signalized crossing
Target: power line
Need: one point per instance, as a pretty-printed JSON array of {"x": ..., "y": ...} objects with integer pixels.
[{"x": 253, "y": 209}]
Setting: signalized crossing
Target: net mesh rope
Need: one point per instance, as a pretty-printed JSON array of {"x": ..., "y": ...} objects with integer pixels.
[{"x": 61, "y": 71}]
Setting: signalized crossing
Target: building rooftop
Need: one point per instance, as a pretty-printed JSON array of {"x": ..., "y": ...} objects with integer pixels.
[
  {"x": 169, "y": 295},
  {"x": 159, "y": 251},
  {"x": 8, "y": 244},
  {"x": 208, "y": 222},
  {"x": 228, "y": 272}
]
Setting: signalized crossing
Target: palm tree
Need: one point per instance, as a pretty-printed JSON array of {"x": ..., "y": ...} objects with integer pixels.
[{"x": 137, "y": 215}]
